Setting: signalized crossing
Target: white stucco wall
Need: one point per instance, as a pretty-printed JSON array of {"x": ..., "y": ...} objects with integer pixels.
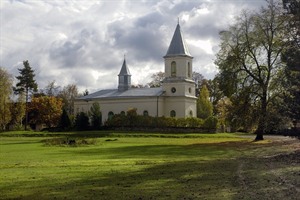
[{"x": 153, "y": 105}]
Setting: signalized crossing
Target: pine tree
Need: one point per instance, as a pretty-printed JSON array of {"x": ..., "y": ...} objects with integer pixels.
[{"x": 26, "y": 85}]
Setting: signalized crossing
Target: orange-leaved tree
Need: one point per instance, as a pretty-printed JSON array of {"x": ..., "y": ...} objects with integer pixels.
[{"x": 46, "y": 109}]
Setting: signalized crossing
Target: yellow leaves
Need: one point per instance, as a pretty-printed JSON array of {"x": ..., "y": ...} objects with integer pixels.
[{"x": 46, "y": 109}]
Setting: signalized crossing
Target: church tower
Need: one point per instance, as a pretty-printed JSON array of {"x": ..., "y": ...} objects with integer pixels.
[
  {"x": 124, "y": 77},
  {"x": 178, "y": 84}
]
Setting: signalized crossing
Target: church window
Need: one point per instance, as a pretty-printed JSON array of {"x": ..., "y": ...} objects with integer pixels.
[
  {"x": 190, "y": 90},
  {"x": 191, "y": 113},
  {"x": 173, "y": 69},
  {"x": 173, "y": 90},
  {"x": 145, "y": 113},
  {"x": 173, "y": 113},
  {"x": 189, "y": 70},
  {"x": 110, "y": 115},
  {"x": 122, "y": 113}
]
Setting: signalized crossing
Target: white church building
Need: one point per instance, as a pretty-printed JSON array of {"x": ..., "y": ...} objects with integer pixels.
[{"x": 175, "y": 98}]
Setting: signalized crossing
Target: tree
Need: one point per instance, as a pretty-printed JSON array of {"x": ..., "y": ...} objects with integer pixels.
[
  {"x": 26, "y": 84},
  {"x": 86, "y": 92},
  {"x": 157, "y": 79},
  {"x": 5, "y": 91},
  {"x": 198, "y": 78},
  {"x": 18, "y": 112},
  {"x": 51, "y": 89},
  {"x": 68, "y": 95},
  {"x": 65, "y": 122},
  {"x": 216, "y": 94},
  {"x": 204, "y": 106},
  {"x": 46, "y": 109},
  {"x": 292, "y": 59},
  {"x": 223, "y": 108},
  {"x": 249, "y": 58},
  {"x": 96, "y": 115},
  {"x": 82, "y": 121}
]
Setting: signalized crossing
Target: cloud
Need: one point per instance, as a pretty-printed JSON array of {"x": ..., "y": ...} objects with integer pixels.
[{"x": 83, "y": 42}]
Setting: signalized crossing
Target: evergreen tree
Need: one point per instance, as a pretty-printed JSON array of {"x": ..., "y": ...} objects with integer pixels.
[
  {"x": 95, "y": 114},
  {"x": 204, "y": 106},
  {"x": 26, "y": 85},
  {"x": 65, "y": 122},
  {"x": 81, "y": 121}
]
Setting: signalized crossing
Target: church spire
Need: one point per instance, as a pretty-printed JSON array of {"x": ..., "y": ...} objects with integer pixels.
[
  {"x": 124, "y": 77},
  {"x": 177, "y": 46}
]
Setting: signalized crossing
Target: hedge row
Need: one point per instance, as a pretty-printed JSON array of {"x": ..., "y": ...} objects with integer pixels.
[{"x": 119, "y": 120}]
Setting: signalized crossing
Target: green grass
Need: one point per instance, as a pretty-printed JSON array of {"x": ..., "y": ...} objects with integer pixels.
[{"x": 138, "y": 166}]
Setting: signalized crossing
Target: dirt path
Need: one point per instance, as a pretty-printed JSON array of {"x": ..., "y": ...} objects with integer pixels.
[{"x": 275, "y": 174}]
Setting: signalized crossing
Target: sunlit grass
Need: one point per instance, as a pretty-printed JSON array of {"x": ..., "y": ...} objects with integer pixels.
[{"x": 125, "y": 166}]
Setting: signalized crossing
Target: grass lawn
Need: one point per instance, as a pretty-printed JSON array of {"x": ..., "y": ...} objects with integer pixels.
[{"x": 147, "y": 166}]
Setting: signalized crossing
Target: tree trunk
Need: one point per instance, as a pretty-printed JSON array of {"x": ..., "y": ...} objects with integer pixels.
[
  {"x": 261, "y": 129},
  {"x": 26, "y": 110}
]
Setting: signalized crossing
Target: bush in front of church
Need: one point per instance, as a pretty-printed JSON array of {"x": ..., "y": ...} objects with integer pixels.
[
  {"x": 82, "y": 121},
  {"x": 139, "y": 121}
]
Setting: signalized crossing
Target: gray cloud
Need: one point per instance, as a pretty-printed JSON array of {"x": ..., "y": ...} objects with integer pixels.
[{"x": 83, "y": 42}]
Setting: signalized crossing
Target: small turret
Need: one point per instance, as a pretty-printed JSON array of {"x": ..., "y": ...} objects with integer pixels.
[{"x": 124, "y": 77}]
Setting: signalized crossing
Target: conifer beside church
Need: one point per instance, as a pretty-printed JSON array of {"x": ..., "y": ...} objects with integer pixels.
[{"x": 26, "y": 85}]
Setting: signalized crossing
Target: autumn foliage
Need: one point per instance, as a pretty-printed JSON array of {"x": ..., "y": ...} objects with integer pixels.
[{"x": 46, "y": 110}]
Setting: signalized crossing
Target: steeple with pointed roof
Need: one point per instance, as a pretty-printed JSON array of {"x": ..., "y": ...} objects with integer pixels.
[
  {"x": 124, "y": 77},
  {"x": 178, "y": 46}
]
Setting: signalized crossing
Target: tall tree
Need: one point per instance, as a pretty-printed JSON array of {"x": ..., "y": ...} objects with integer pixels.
[
  {"x": 249, "y": 58},
  {"x": 68, "y": 95},
  {"x": 5, "y": 101},
  {"x": 95, "y": 114},
  {"x": 198, "y": 78},
  {"x": 292, "y": 59},
  {"x": 65, "y": 122},
  {"x": 157, "y": 79},
  {"x": 51, "y": 89},
  {"x": 26, "y": 85},
  {"x": 223, "y": 108},
  {"x": 18, "y": 112},
  {"x": 204, "y": 106}
]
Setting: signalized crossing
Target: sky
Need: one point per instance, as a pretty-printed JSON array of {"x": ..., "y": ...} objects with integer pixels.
[{"x": 83, "y": 42}]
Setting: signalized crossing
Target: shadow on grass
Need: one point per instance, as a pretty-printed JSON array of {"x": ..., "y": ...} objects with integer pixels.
[
  {"x": 202, "y": 151},
  {"x": 218, "y": 179},
  {"x": 198, "y": 171}
]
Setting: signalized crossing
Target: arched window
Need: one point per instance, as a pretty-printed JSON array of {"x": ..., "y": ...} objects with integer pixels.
[
  {"x": 110, "y": 115},
  {"x": 173, "y": 69},
  {"x": 189, "y": 70},
  {"x": 145, "y": 113},
  {"x": 122, "y": 113},
  {"x": 173, "y": 113},
  {"x": 191, "y": 113}
]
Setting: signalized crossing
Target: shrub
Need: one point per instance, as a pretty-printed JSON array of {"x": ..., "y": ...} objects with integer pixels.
[
  {"x": 210, "y": 123},
  {"x": 82, "y": 121}
]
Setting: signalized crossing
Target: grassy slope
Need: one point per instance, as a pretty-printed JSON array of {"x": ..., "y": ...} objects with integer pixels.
[{"x": 138, "y": 167}]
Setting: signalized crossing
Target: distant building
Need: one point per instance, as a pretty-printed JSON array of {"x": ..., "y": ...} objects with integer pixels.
[{"x": 175, "y": 98}]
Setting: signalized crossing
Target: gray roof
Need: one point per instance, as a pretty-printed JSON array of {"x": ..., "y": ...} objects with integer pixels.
[
  {"x": 131, "y": 93},
  {"x": 177, "y": 45},
  {"x": 124, "y": 69}
]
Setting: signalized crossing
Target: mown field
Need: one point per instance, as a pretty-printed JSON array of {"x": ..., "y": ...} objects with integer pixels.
[{"x": 103, "y": 165}]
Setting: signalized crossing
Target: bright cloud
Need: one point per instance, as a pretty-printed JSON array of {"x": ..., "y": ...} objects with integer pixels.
[{"x": 83, "y": 42}]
